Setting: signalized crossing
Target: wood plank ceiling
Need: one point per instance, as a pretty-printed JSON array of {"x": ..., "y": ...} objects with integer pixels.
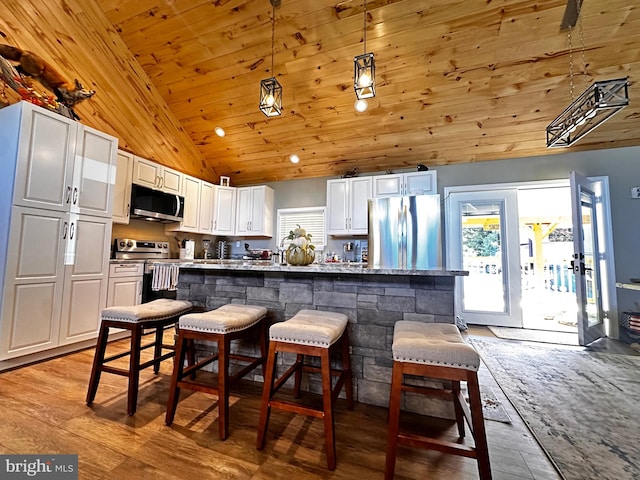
[{"x": 457, "y": 81}]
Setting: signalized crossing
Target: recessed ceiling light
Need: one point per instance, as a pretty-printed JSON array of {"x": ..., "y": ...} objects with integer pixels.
[
  {"x": 294, "y": 158},
  {"x": 361, "y": 105},
  {"x": 220, "y": 131}
]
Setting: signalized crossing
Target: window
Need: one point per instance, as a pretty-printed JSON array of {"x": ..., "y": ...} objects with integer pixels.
[{"x": 309, "y": 218}]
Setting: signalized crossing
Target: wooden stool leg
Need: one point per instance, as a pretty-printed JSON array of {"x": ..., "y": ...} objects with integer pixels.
[
  {"x": 182, "y": 346},
  {"x": 394, "y": 421},
  {"x": 265, "y": 407},
  {"x": 327, "y": 402},
  {"x": 479, "y": 433},
  {"x": 223, "y": 385},
  {"x": 134, "y": 369},
  {"x": 346, "y": 366},
  {"x": 264, "y": 344},
  {"x": 455, "y": 389},
  {"x": 297, "y": 383},
  {"x": 157, "y": 348},
  {"x": 96, "y": 370}
]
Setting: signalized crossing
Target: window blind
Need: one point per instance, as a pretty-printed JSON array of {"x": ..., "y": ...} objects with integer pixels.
[{"x": 309, "y": 218}]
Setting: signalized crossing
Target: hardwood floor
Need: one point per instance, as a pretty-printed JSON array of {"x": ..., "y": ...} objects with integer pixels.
[{"x": 43, "y": 411}]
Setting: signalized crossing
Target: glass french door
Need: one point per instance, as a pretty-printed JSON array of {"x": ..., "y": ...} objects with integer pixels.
[
  {"x": 588, "y": 257},
  {"x": 483, "y": 239}
]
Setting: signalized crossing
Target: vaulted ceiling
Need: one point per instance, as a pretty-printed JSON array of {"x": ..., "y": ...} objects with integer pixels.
[{"x": 457, "y": 81}]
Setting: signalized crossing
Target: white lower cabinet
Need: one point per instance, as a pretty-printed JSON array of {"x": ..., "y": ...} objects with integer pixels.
[
  {"x": 85, "y": 281},
  {"x": 46, "y": 303},
  {"x": 125, "y": 284}
]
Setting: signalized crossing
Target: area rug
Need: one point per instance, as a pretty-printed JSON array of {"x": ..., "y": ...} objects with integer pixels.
[
  {"x": 492, "y": 408},
  {"x": 582, "y": 406},
  {"x": 531, "y": 335}
]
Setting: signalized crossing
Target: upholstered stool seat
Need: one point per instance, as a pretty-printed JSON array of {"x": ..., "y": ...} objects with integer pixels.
[
  {"x": 226, "y": 323},
  {"x": 154, "y": 316},
  {"x": 438, "y": 351},
  {"x": 315, "y": 333}
]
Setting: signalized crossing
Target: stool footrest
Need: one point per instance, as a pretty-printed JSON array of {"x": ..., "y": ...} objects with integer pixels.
[
  {"x": 422, "y": 390},
  {"x": 443, "y": 446},
  {"x": 115, "y": 370},
  {"x": 157, "y": 360},
  {"x": 296, "y": 408}
]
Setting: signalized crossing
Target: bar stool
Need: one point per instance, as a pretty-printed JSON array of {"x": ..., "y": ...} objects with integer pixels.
[
  {"x": 227, "y": 323},
  {"x": 138, "y": 319},
  {"x": 436, "y": 350},
  {"x": 316, "y": 333}
]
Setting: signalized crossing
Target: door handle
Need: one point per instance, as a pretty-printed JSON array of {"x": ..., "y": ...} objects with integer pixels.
[
  {"x": 68, "y": 194},
  {"x": 64, "y": 230},
  {"x": 578, "y": 268},
  {"x": 75, "y": 195}
]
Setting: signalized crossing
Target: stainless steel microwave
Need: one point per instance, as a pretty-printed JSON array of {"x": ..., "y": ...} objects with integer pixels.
[{"x": 156, "y": 205}]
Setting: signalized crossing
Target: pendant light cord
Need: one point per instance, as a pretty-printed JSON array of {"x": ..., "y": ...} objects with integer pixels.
[
  {"x": 273, "y": 34},
  {"x": 364, "y": 27}
]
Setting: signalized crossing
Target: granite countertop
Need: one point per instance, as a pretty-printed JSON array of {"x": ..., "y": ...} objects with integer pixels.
[{"x": 326, "y": 268}]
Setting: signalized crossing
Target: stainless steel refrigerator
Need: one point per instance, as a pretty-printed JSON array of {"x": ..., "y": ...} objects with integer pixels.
[{"x": 405, "y": 233}]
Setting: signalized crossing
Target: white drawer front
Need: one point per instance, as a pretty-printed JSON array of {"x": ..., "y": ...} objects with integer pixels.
[{"x": 126, "y": 269}]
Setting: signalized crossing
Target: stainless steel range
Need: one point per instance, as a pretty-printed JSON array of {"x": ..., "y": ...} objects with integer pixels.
[
  {"x": 130, "y": 249},
  {"x": 147, "y": 251}
]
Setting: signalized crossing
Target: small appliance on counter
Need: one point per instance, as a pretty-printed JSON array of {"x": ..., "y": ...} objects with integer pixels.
[
  {"x": 188, "y": 249},
  {"x": 222, "y": 249},
  {"x": 206, "y": 244}
]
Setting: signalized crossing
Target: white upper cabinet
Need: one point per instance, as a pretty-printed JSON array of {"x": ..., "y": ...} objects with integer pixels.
[
  {"x": 254, "y": 211},
  {"x": 224, "y": 216},
  {"x": 191, "y": 192},
  {"x": 153, "y": 175},
  {"x": 205, "y": 218},
  {"x": 65, "y": 166},
  {"x": 122, "y": 190},
  {"x": 399, "y": 184},
  {"x": 347, "y": 207}
]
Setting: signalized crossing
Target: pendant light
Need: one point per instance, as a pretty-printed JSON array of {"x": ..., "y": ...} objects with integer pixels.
[
  {"x": 270, "y": 89},
  {"x": 599, "y": 102},
  {"x": 364, "y": 68}
]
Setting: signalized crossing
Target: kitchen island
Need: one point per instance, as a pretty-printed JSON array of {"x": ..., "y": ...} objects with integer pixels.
[{"x": 373, "y": 299}]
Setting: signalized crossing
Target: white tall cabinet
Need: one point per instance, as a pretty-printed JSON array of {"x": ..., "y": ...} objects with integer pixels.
[{"x": 55, "y": 229}]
